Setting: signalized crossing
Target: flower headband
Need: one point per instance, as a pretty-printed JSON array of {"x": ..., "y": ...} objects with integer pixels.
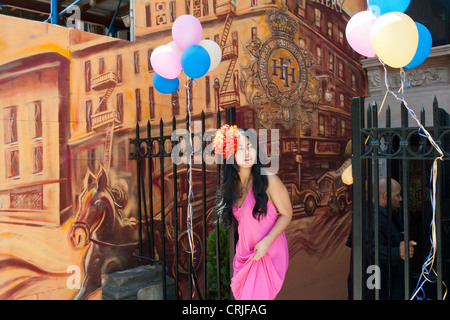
[{"x": 225, "y": 141}]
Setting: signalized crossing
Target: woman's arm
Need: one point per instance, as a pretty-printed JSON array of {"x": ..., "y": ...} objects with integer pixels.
[{"x": 279, "y": 196}]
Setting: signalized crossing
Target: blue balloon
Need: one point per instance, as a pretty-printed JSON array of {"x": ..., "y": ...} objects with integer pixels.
[
  {"x": 423, "y": 48},
  {"x": 164, "y": 85},
  {"x": 195, "y": 61},
  {"x": 380, "y": 7}
]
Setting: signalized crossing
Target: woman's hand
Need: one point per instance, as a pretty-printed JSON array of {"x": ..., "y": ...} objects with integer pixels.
[
  {"x": 411, "y": 249},
  {"x": 279, "y": 197},
  {"x": 261, "y": 249}
]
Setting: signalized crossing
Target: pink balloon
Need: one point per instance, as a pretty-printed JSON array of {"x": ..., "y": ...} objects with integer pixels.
[
  {"x": 358, "y": 33},
  {"x": 186, "y": 31},
  {"x": 166, "y": 62}
]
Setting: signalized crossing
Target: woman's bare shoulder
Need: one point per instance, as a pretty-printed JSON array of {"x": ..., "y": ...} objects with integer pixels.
[{"x": 274, "y": 184}]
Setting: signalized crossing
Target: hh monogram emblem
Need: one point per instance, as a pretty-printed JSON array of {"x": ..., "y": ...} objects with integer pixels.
[
  {"x": 278, "y": 82},
  {"x": 282, "y": 70}
]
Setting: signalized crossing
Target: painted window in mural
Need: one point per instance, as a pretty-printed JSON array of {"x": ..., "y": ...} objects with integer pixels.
[
  {"x": 11, "y": 125},
  {"x": 120, "y": 107},
  {"x": 319, "y": 56},
  {"x": 87, "y": 76},
  {"x": 88, "y": 109},
  {"x": 37, "y": 119},
  {"x": 333, "y": 126},
  {"x": 151, "y": 101},
  {"x": 175, "y": 104},
  {"x": 138, "y": 105},
  {"x": 207, "y": 92},
  {"x": 321, "y": 124},
  {"x": 341, "y": 70},
  {"x": 119, "y": 69},
  {"x": 317, "y": 15},
  {"x": 341, "y": 36},
  {"x": 38, "y": 163},
  {"x": 12, "y": 163},
  {"x": 331, "y": 63},
  {"x": 136, "y": 62},
  {"x": 148, "y": 15},
  {"x": 101, "y": 65},
  {"x": 149, "y": 63},
  {"x": 12, "y": 148},
  {"x": 172, "y": 11}
]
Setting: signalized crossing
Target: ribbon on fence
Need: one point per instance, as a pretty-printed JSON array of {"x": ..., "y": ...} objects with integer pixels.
[{"x": 427, "y": 267}]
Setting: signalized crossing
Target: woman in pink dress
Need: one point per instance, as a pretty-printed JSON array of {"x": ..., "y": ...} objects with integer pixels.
[{"x": 251, "y": 198}]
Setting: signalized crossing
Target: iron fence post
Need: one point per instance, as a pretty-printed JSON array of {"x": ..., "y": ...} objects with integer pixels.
[
  {"x": 405, "y": 197},
  {"x": 358, "y": 210}
]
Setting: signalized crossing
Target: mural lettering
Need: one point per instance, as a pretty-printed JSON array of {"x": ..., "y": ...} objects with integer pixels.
[{"x": 336, "y": 5}]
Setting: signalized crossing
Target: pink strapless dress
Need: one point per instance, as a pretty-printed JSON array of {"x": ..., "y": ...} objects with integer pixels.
[{"x": 262, "y": 279}]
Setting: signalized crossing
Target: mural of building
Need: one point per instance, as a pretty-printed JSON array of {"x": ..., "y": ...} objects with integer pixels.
[
  {"x": 286, "y": 65},
  {"x": 36, "y": 193},
  {"x": 34, "y": 140}
]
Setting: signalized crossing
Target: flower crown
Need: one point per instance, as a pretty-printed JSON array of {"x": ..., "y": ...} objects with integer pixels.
[{"x": 225, "y": 140}]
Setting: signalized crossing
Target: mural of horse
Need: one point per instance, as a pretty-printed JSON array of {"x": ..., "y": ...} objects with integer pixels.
[{"x": 99, "y": 224}]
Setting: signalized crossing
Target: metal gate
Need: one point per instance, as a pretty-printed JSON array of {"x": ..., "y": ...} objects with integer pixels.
[
  {"x": 403, "y": 154},
  {"x": 163, "y": 187}
]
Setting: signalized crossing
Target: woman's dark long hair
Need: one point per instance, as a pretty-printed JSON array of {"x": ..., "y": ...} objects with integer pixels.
[{"x": 226, "y": 194}]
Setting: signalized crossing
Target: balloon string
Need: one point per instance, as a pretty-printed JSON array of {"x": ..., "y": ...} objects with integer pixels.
[
  {"x": 379, "y": 111},
  {"x": 410, "y": 111},
  {"x": 427, "y": 266},
  {"x": 190, "y": 210}
]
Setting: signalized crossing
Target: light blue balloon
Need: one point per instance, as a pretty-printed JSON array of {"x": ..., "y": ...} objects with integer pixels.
[
  {"x": 423, "y": 48},
  {"x": 164, "y": 85},
  {"x": 380, "y": 7},
  {"x": 195, "y": 61}
]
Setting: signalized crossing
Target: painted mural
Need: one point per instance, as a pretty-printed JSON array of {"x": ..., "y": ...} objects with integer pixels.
[{"x": 70, "y": 103}]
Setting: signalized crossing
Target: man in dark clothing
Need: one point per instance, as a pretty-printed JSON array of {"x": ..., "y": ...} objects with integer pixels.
[{"x": 397, "y": 252}]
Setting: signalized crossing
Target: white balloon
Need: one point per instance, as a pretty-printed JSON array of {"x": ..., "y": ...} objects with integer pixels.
[
  {"x": 174, "y": 45},
  {"x": 214, "y": 51}
]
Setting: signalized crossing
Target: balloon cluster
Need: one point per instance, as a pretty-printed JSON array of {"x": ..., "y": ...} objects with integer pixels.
[
  {"x": 387, "y": 32},
  {"x": 187, "y": 52}
]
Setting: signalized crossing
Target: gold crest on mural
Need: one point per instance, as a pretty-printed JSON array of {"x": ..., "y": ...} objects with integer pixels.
[{"x": 278, "y": 83}]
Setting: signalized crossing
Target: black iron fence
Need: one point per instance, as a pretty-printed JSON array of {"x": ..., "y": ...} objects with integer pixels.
[
  {"x": 163, "y": 189},
  {"x": 404, "y": 154}
]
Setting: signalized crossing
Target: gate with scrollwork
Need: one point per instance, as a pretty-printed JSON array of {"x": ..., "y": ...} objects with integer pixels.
[
  {"x": 163, "y": 189},
  {"x": 405, "y": 154}
]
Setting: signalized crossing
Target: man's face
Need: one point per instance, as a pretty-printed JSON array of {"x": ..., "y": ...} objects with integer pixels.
[{"x": 396, "y": 196}]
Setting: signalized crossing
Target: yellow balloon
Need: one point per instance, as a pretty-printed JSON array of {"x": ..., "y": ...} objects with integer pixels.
[
  {"x": 347, "y": 176},
  {"x": 395, "y": 38}
]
